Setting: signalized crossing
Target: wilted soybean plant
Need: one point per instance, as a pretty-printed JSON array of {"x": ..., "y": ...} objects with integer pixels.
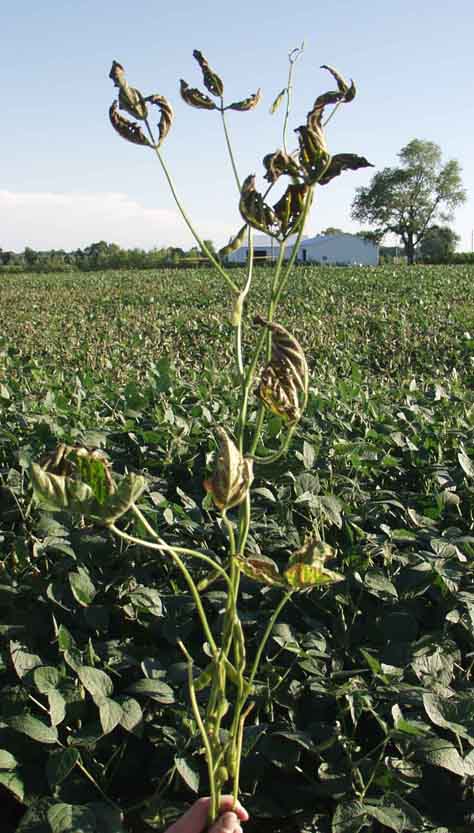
[{"x": 81, "y": 481}]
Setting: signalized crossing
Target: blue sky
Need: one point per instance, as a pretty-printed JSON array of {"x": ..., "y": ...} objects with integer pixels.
[{"x": 68, "y": 180}]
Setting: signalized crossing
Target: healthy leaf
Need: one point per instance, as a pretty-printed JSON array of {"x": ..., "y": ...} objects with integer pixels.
[
  {"x": 189, "y": 772},
  {"x": 34, "y": 728},
  {"x": 155, "y": 689},
  {"x": 69, "y": 818},
  {"x": 96, "y": 682},
  {"x": 110, "y": 715}
]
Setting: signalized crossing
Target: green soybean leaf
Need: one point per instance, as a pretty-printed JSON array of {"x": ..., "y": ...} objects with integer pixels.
[
  {"x": 57, "y": 707},
  {"x": 442, "y": 753},
  {"x": 46, "y": 678},
  {"x": 7, "y": 760},
  {"x": 69, "y": 818},
  {"x": 349, "y": 817},
  {"x": 34, "y": 728},
  {"x": 82, "y": 587},
  {"x": 155, "y": 689},
  {"x": 23, "y": 660},
  {"x": 96, "y": 682},
  {"x": 189, "y": 773},
  {"x": 132, "y": 715},
  {"x": 13, "y": 782},
  {"x": 110, "y": 715}
]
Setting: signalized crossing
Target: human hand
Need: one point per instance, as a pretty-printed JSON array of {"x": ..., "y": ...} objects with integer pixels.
[{"x": 195, "y": 819}]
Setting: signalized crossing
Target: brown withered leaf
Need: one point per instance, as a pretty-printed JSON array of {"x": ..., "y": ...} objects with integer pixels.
[
  {"x": 195, "y": 98},
  {"x": 255, "y": 210},
  {"x": 278, "y": 392},
  {"x": 343, "y": 162},
  {"x": 246, "y": 104},
  {"x": 260, "y": 568},
  {"x": 166, "y": 118},
  {"x": 313, "y": 154},
  {"x": 212, "y": 80},
  {"x": 128, "y": 130},
  {"x": 130, "y": 99},
  {"x": 348, "y": 90},
  {"x": 235, "y": 243},
  {"x": 279, "y": 163},
  {"x": 290, "y": 207}
]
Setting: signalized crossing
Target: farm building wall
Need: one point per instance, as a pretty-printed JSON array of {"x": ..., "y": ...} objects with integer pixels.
[{"x": 347, "y": 249}]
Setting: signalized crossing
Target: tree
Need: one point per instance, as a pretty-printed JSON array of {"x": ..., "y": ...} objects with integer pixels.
[
  {"x": 438, "y": 244},
  {"x": 331, "y": 230},
  {"x": 407, "y": 200}
]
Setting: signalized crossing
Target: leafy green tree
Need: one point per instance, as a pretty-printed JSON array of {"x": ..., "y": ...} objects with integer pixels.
[
  {"x": 331, "y": 230},
  {"x": 438, "y": 244},
  {"x": 407, "y": 200}
]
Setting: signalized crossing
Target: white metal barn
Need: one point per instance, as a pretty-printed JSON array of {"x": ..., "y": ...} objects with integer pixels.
[
  {"x": 264, "y": 248},
  {"x": 343, "y": 249}
]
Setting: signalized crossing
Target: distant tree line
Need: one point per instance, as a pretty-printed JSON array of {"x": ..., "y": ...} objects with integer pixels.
[
  {"x": 438, "y": 246},
  {"x": 98, "y": 256}
]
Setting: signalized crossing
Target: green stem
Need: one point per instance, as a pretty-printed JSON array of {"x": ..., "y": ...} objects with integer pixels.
[
  {"x": 238, "y": 751},
  {"x": 214, "y": 805},
  {"x": 272, "y": 458},
  {"x": 296, "y": 246},
  {"x": 252, "y": 368},
  {"x": 265, "y": 638},
  {"x": 242, "y": 297},
  {"x": 292, "y": 58},
  {"x": 186, "y": 219},
  {"x": 229, "y": 147}
]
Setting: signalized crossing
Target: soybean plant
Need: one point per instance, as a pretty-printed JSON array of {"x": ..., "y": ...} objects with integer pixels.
[{"x": 276, "y": 374}]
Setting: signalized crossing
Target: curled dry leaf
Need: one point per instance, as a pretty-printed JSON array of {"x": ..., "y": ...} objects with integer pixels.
[
  {"x": 232, "y": 475},
  {"x": 195, "y": 98},
  {"x": 166, "y": 118},
  {"x": 212, "y": 80},
  {"x": 130, "y": 99},
  {"x": 279, "y": 163},
  {"x": 246, "y": 103},
  {"x": 128, "y": 130},
  {"x": 343, "y": 162},
  {"x": 235, "y": 242}
]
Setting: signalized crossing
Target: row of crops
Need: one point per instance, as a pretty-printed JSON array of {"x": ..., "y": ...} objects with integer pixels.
[{"x": 364, "y": 711}]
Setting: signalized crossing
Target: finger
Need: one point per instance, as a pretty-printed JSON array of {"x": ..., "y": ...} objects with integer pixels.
[
  {"x": 193, "y": 820},
  {"x": 227, "y": 803},
  {"x": 226, "y": 823}
]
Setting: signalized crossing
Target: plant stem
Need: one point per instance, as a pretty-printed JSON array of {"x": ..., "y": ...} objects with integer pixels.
[
  {"x": 229, "y": 147},
  {"x": 238, "y": 751},
  {"x": 251, "y": 370},
  {"x": 186, "y": 219},
  {"x": 214, "y": 805},
  {"x": 265, "y": 638}
]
